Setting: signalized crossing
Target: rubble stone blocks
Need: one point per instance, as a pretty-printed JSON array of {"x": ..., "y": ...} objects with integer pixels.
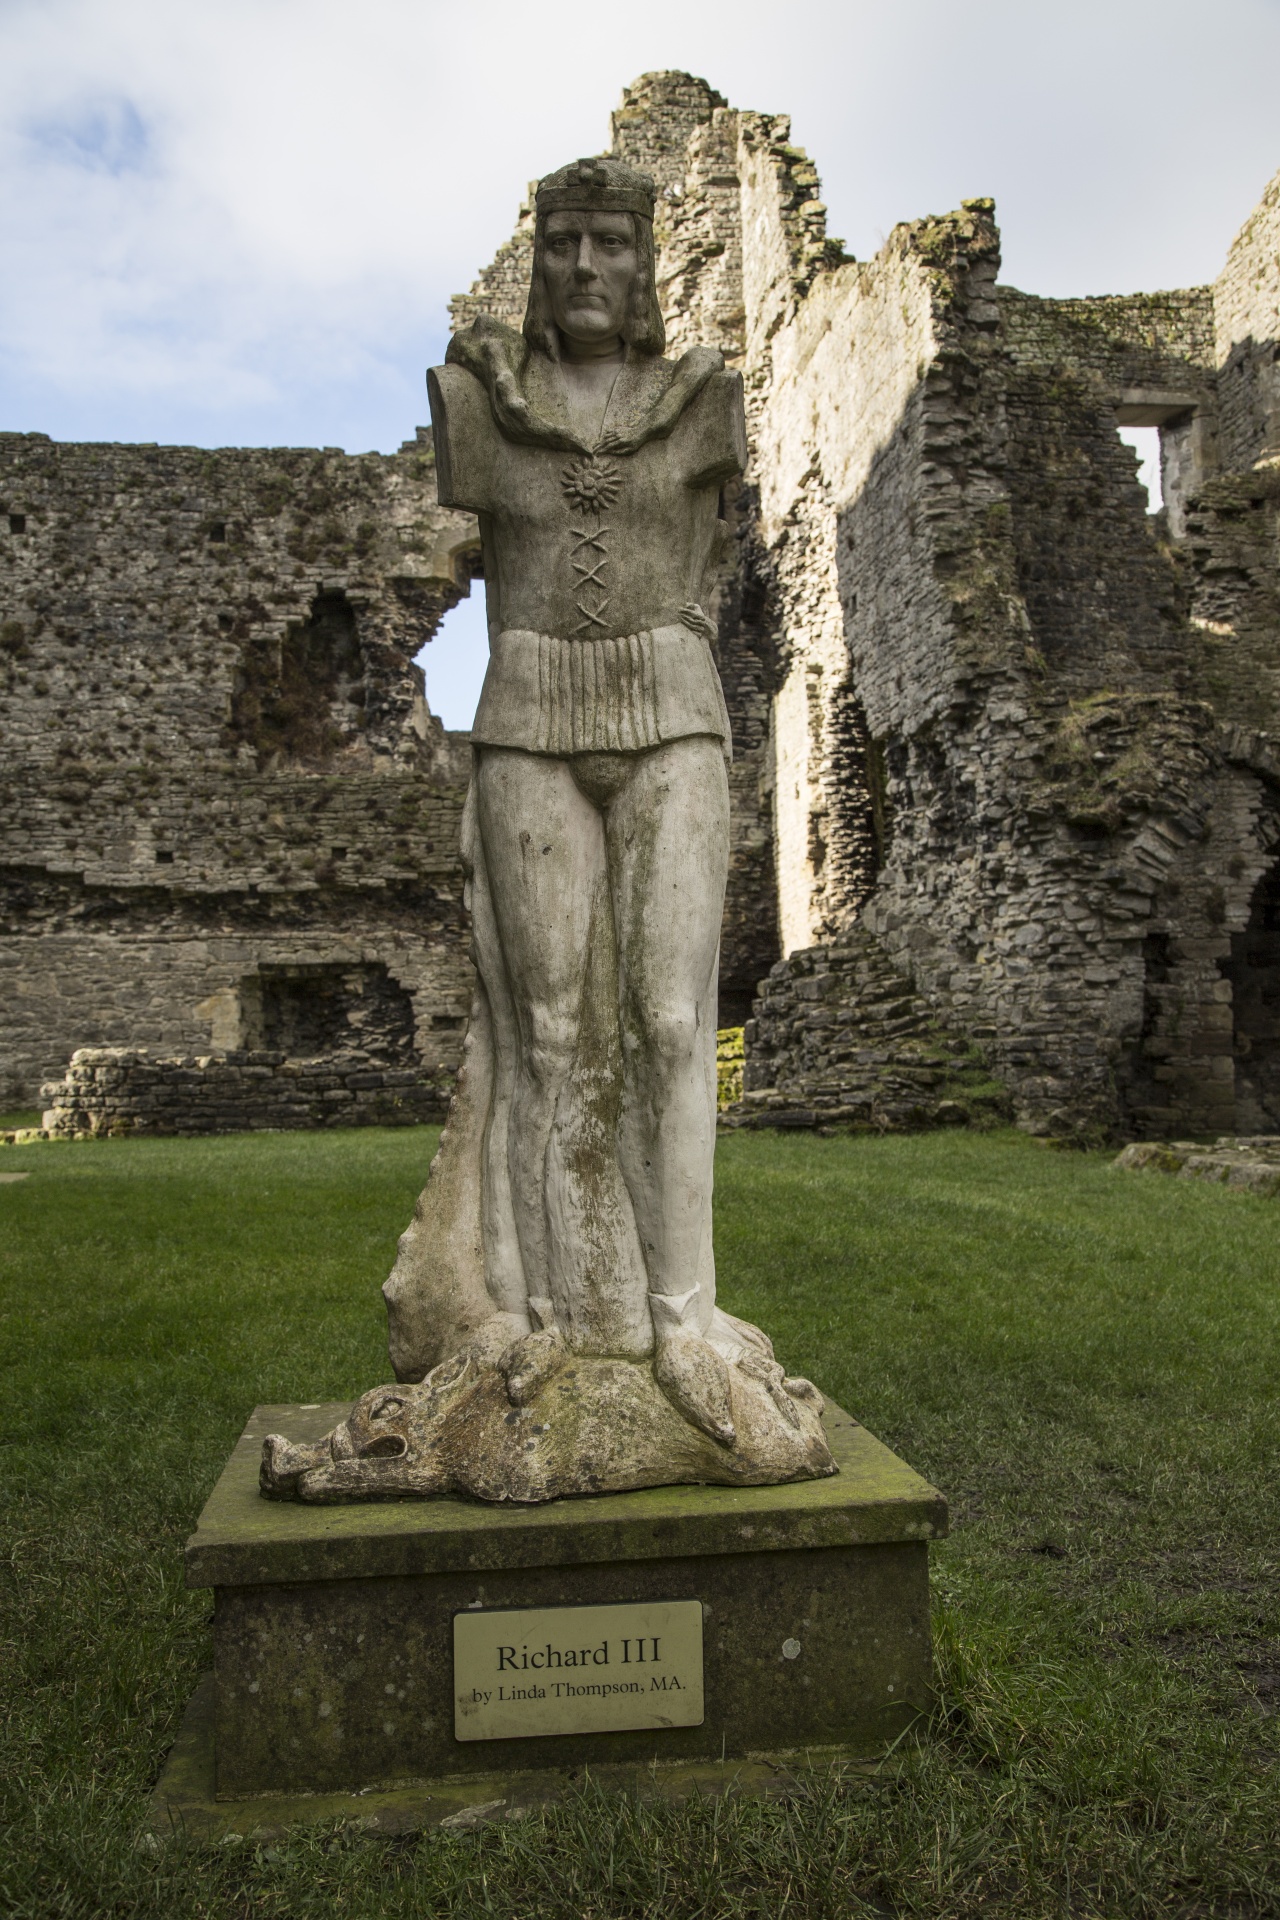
[
  {"x": 987, "y": 709},
  {"x": 333, "y": 1625},
  {"x": 839, "y": 1038},
  {"x": 1246, "y": 1165}
]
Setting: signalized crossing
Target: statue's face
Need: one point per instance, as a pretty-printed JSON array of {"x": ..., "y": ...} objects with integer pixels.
[{"x": 590, "y": 266}]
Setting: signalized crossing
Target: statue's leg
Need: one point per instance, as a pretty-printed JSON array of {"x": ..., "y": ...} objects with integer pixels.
[
  {"x": 668, "y": 837},
  {"x": 544, "y": 853}
]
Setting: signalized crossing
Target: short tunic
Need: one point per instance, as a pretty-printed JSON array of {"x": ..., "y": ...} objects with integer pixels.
[{"x": 589, "y": 562}]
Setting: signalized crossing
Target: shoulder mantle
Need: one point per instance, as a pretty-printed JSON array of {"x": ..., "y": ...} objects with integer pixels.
[{"x": 655, "y": 392}]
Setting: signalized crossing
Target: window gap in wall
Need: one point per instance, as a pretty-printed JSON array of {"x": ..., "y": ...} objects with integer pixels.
[
  {"x": 454, "y": 662},
  {"x": 1145, "y": 442}
]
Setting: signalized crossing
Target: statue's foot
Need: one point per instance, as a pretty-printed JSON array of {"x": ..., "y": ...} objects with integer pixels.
[
  {"x": 729, "y": 1336},
  {"x": 529, "y": 1363},
  {"x": 687, "y": 1367},
  {"x": 696, "y": 1382}
]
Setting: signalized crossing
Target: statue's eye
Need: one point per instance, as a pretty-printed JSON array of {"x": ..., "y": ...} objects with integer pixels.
[{"x": 386, "y": 1408}]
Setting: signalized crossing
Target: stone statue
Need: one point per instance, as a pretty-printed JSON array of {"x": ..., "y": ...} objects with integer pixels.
[{"x": 555, "y": 1293}]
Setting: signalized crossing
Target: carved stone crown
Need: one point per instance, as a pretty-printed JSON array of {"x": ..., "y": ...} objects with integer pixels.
[{"x": 596, "y": 186}]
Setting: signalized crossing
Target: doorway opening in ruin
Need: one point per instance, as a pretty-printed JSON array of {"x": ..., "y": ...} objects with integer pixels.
[
  {"x": 859, "y": 815},
  {"x": 309, "y": 1010},
  {"x": 1254, "y": 973}
]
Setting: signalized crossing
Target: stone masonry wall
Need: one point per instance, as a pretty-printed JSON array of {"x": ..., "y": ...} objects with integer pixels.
[
  {"x": 1246, "y": 308},
  {"x": 997, "y": 746},
  {"x": 116, "y": 1091},
  {"x": 214, "y": 748}
]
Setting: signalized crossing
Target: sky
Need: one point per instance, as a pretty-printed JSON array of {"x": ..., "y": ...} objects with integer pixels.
[{"x": 238, "y": 222}]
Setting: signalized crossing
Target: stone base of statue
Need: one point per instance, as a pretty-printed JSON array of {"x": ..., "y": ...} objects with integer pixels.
[{"x": 409, "y": 1661}]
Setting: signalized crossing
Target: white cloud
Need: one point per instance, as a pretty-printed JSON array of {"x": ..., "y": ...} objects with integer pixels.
[{"x": 242, "y": 220}]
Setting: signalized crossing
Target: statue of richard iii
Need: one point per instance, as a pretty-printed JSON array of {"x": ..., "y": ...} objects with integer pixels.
[{"x": 569, "y": 1208}]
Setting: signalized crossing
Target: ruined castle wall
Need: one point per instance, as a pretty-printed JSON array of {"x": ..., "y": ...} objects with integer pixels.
[
  {"x": 1002, "y": 736},
  {"x": 215, "y": 750},
  {"x": 1014, "y": 630},
  {"x": 1246, "y": 305},
  {"x": 859, "y": 337},
  {"x": 832, "y": 352}
]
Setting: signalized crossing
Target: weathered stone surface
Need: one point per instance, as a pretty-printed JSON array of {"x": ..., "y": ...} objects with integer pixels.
[
  {"x": 535, "y": 1427},
  {"x": 1022, "y": 736},
  {"x": 555, "y": 1294},
  {"x": 1249, "y": 1165},
  {"x": 186, "y": 1805},
  {"x": 220, "y": 783},
  {"x": 332, "y": 1624}
]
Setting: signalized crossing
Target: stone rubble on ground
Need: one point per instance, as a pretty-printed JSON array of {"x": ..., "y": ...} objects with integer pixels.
[{"x": 1250, "y": 1164}]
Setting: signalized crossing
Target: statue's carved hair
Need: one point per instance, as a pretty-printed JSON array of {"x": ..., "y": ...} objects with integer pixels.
[{"x": 593, "y": 186}]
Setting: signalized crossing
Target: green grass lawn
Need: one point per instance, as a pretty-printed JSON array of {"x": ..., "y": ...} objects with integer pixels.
[{"x": 1084, "y": 1360}]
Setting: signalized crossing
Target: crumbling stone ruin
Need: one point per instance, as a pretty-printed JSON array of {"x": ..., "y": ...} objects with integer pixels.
[
  {"x": 1001, "y": 735},
  {"x": 231, "y": 825}
]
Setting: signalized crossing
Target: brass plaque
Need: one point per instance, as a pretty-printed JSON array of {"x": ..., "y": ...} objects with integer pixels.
[{"x": 577, "y": 1669}]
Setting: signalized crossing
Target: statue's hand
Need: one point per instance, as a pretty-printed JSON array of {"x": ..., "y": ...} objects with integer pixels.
[
  {"x": 759, "y": 1366},
  {"x": 614, "y": 440},
  {"x": 697, "y": 622}
]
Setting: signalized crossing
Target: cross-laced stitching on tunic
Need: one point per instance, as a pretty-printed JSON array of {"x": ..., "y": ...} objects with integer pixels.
[
  {"x": 592, "y": 486},
  {"x": 588, "y": 557}
]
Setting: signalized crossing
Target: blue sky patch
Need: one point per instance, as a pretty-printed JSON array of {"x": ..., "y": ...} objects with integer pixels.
[{"x": 103, "y": 136}]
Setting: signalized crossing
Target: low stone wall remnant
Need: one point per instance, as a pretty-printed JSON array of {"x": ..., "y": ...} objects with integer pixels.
[{"x": 119, "y": 1090}]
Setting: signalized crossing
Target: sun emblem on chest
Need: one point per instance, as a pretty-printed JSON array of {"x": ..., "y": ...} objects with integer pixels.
[{"x": 591, "y": 483}]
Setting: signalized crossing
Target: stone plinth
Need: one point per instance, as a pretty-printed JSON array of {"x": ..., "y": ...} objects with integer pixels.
[{"x": 333, "y": 1626}]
